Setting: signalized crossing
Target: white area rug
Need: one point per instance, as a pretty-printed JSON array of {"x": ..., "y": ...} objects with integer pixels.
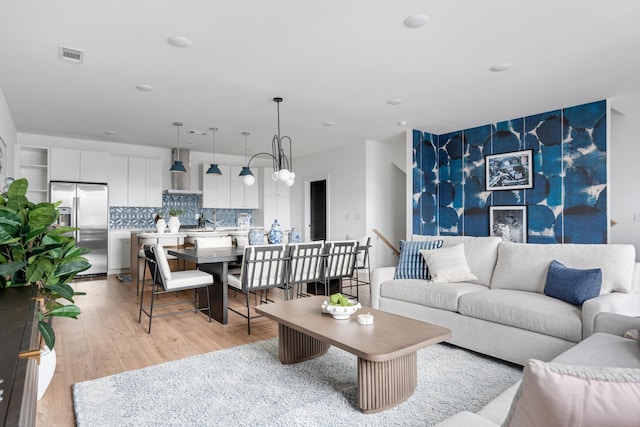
[{"x": 247, "y": 385}]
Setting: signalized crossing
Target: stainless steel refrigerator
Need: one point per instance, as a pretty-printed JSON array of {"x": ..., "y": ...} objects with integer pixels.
[{"x": 85, "y": 206}]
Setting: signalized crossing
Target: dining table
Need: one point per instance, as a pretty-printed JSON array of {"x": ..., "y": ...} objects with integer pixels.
[{"x": 214, "y": 261}]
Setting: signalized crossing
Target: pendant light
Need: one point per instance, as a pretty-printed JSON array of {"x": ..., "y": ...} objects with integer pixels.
[
  {"x": 245, "y": 173},
  {"x": 282, "y": 164},
  {"x": 213, "y": 168},
  {"x": 177, "y": 164}
]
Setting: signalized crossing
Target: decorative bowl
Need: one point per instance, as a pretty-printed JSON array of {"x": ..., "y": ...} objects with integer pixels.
[{"x": 341, "y": 312}]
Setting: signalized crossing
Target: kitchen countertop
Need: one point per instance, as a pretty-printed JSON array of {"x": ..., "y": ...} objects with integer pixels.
[
  {"x": 151, "y": 234},
  {"x": 194, "y": 232}
]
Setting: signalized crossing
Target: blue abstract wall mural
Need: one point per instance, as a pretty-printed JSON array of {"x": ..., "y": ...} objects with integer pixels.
[{"x": 568, "y": 201}]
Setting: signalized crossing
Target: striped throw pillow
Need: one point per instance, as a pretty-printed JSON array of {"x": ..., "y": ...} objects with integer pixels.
[{"x": 411, "y": 264}]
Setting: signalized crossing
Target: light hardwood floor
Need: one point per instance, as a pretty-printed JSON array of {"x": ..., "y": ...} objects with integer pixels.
[{"x": 107, "y": 339}]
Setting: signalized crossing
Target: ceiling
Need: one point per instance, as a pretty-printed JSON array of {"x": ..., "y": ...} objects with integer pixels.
[{"x": 332, "y": 61}]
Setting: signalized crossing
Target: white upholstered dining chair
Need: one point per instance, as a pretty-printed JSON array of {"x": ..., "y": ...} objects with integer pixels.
[
  {"x": 213, "y": 242},
  {"x": 165, "y": 281}
]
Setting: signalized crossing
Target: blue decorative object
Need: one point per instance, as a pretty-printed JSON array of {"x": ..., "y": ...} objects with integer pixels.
[
  {"x": 256, "y": 236},
  {"x": 572, "y": 285},
  {"x": 411, "y": 264},
  {"x": 275, "y": 234},
  {"x": 295, "y": 236}
]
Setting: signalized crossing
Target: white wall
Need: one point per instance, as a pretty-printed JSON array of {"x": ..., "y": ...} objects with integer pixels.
[
  {"x": 624, "y": 187},
  {"x": 365, "y": 190},
  {"x": 8, "y": 135},
  {"x": 345, "y": 168},
  {"x": 386, "y": 197}
]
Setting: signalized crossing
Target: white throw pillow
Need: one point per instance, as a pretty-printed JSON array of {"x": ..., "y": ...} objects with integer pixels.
[
  {"x": 559, "y": 395},
  {"x": 448, "y": 264}
]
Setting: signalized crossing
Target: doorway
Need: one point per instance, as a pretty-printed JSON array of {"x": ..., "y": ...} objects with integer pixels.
[{"x": 316, "y": 201}]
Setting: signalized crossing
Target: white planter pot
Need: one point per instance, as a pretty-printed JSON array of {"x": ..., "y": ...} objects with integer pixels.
[
  {"x": 46, "y": 370},
  {"x": 174, "y": 224},
  {"x": 161, "y": 225}
]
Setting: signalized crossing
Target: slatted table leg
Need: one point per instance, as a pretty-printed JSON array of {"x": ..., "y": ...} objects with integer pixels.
[{"x": 297, "y": 347}]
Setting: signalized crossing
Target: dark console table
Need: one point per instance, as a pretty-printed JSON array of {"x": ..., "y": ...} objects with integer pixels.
[{"x": 19, "y": 356}]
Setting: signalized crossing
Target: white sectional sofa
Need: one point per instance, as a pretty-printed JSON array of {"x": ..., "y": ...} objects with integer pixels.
[
  {"x": 607, "y": 394},
  {"x": 504, "y": 312}
]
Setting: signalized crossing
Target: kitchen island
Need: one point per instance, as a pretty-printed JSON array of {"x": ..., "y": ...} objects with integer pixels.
[{"x": 184, "y": 237}]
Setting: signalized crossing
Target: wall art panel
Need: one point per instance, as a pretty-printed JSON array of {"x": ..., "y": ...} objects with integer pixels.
[{"x": 568, "y": 201}]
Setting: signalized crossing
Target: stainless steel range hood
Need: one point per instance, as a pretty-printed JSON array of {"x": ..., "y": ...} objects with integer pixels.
[{"x": 181, "y": 182}]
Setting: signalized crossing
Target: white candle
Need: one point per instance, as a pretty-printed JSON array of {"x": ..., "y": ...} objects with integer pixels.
[{"x": 365, "y": 319}]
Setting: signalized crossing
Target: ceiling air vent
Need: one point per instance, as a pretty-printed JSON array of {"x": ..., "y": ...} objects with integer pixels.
[{"x": 69, "y": 54}]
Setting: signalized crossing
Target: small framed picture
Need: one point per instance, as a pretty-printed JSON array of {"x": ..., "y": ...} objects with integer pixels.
[
  {"x": 509, "y": 223},
  {"x": 509, "y": 171}
]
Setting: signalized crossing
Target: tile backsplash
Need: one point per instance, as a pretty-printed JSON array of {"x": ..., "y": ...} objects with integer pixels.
[{"x": 143, "y": 217}]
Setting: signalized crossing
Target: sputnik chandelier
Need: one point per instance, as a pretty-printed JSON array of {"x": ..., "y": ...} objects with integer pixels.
[{"x": 282, "y": 164}]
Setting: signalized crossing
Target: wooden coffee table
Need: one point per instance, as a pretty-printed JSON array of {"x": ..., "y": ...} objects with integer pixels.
[{"x": 386, "y": 350}]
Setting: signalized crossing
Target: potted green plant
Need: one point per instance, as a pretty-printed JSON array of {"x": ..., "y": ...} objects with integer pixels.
[
  {"x": 174, "y": 221},
  {"x": 35, "y": 253}
]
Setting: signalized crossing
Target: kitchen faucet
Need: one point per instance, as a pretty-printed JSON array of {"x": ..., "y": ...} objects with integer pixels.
[{"x": 214, "y": 215}]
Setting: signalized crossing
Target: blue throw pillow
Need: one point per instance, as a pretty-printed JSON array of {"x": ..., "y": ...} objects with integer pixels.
[
  {"x": 572, "y": 285},
  {"x": 411, "y": 264}
]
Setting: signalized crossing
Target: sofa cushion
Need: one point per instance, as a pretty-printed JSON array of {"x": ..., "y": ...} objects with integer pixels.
[
  {"x": 481, "y": 253},
  {"x": 447, "y": 265},
  {"x": 524, "y": 266},
  {"x": 525, "y": 310},
  {"x": 436, "y": 295},
  {"x": 602, "y": 349},
  {"x": 553, "y": 394},
  {"x": 411, "y": 264},
  {"x": 572, "y": 285}
]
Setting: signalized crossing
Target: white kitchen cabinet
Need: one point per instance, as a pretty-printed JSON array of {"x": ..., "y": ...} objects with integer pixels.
[
  {"x": 118, "y": 180},
  {"x": 119, "y": 250},
  {"x": 94, "y": 166},
  {"x": 242, "y": 196},
  {"x": 216, "y": 189},
  {"x": 153, "y": 179},
  {"x": 276, "y": 208},
  {"x": 137, "y": 182},
  {"x": 275, "y": 201},
  {"x": 33, "y": 164},
  {"x": 68, "y": 164},
  {"x": 65, "y": 164}
]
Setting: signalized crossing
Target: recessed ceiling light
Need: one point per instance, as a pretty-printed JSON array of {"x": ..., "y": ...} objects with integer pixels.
[
  {"x": 402, "y": 123},
  {"x": 110, "y": 132},
  {"x": 394, "y": 101},
  {"x": 416, "y": 21},
  {"x": 329, "y": 123},
  {"x": 145, "y": 88},
  {"x": 502, "y": 66},
  {"x": 179, "y": 41}
]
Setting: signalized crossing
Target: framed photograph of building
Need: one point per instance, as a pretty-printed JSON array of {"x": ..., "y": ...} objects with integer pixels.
[
  {"x": 509, "y": 223},
  {"x": 509, "y": 171}
]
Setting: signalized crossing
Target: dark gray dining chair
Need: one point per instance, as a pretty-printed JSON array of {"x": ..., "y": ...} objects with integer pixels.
[
  {"x": 339, "y": 262},
  {"x": 305, "y": 267},
  {"x": 362, "y": 269},
  {"x": 264, "y": 267}
]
